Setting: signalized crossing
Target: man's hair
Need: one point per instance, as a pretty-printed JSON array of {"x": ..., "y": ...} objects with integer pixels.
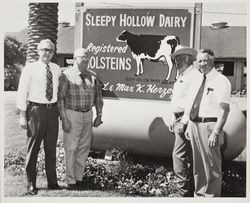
[
  {"x": 80, "y": 52},
  {"x": 209, "y": 52},
  {"x": 45, "y": 41}
]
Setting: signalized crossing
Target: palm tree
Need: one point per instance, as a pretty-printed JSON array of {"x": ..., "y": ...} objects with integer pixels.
[{"x": 43, "y": 23}]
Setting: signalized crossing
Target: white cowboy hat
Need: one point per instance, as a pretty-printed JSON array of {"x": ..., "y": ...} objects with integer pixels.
[{"x": 181, "y": 50}]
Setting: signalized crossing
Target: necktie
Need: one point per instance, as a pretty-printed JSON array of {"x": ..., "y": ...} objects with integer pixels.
[
  {"x": 196, "y": 105},
  {"x": 49, "y": 83},
  {"x": 87, "y": 92},
  {"x": 83, "y": 78}
]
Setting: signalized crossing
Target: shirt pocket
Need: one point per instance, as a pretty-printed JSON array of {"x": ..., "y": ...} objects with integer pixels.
[{"x": 209, "y": 95}]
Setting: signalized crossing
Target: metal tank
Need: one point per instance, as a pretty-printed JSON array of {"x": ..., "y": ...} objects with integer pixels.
[{"x": 141, "y": 127}]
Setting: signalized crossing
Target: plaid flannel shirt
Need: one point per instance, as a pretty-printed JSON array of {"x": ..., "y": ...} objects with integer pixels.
[{"x": 79, "y": 94}]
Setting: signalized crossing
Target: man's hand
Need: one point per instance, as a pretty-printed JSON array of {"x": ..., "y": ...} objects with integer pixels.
[
  {"x": 171, "y": 126},
  {"x": 179, "y": 127},
  {"x": 66, "y": 125},
  {"x": 213, "y": 139},
  {"x": 97, "y": 121},
  {"x": 23, "y": 122},
  {"x": 187, "y": 136},
  {"x": 23, "y": 119}
]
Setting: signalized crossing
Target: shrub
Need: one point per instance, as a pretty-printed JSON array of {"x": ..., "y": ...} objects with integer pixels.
[
  {"x": 127, "y": 176},
  {"x": 14, "y": 59},
  {"x": 15, "y": 162},
  {"x": 242, "y": 93}
]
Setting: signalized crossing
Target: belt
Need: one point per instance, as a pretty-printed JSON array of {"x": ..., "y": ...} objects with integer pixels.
[
  {"x": 43, "y": 105},
  {"x": 179, "y": 114},
  {"x": 204, "y": 119},
  {"x": 83, "y": 111}
]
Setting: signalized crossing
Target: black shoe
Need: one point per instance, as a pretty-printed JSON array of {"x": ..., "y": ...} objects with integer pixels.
[
  {"x": 79, "y": 185},
  {"x": 71, "y": 187},
  {"x": 53, "y": 187},
  {"x": 32, "y": 190}
]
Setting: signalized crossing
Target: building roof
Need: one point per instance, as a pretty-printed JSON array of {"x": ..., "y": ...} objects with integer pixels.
[
  {"x": 228, "y": 42},
  {"x": 65, "y": 40}
]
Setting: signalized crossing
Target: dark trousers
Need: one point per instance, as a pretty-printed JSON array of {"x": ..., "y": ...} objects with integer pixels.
[
  {"x": 182, "y": 163},
  {"x": 42, "y": 126}
]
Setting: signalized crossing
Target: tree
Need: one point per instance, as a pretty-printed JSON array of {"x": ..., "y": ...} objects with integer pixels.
[
  {"x": 14, "y": 59},
  {"x": 43, "y": 23}
]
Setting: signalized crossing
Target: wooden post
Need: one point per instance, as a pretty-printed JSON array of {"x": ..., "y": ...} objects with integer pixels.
[
  {"x": 197, "y": 25},
  {"x": 78, "y": 38}
]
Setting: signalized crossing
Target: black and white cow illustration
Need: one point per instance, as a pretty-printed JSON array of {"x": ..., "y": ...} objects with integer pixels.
[{"x": 151, "y": 47}]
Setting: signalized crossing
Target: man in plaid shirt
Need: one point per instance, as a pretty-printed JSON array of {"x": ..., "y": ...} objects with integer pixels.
[{"x": 79, "y": 90}]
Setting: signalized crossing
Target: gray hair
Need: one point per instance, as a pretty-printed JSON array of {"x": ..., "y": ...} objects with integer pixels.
[
  {"x": 45, "y": 41},
  {"x": 209, "y": 52}
]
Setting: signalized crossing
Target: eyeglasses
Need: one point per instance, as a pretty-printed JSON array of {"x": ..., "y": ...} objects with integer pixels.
[{"x": 47, "y": 50}]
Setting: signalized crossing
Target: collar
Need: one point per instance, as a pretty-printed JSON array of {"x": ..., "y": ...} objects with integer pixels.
[
  {"x": 75, "y": 67},
  {"x": 188, "y": 70},
  {"x": 211, "y": 74},
  {"x": 42, "y": 63}
]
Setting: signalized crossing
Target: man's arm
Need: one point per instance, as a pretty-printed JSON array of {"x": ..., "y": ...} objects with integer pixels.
[
  {"x": 221, "y": 120},
  {"x": 98, "y": 104},
  {"x": 22, "y": 95},
  {"x": 62, "y": 93},
  {"x": 23, "y": 119},
  {"x": 223, "y": 96},
  {"x": 23, "y": 89}
]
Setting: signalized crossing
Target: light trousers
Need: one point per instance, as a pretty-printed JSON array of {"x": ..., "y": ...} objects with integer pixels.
[
  {"x": 182, "y": 164},
  {"x": 77, "y": 144},
  {"x": 206, "y": 160}
]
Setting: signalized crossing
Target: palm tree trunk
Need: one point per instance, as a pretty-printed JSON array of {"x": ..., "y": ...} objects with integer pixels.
[{"x": 43, "y": 23}]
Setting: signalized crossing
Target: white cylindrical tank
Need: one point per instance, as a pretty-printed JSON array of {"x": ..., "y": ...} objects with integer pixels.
[
  {"x": 235, "y": 133},
  {"x": 141, "y": 127}
]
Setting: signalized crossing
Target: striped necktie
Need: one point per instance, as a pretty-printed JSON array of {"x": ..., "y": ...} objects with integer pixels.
[
  {"x": 49, "y": 83},
  {"x": 196, "y": 105}
]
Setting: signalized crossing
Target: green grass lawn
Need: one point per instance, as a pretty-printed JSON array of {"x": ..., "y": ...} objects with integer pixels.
[{"x": 15, "y": 145}]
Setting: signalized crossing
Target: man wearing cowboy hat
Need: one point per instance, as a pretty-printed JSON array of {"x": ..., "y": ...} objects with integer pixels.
[{"x": 183, "y": 58}]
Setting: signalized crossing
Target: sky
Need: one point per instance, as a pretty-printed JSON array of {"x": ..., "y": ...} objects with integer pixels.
[{"x": 14, "y": 14}]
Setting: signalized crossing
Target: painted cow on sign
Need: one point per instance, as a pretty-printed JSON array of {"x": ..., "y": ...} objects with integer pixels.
[{"x": 151, "y": 47}]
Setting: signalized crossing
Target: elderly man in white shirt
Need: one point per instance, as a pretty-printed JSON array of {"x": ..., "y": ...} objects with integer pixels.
[
  {"x": 37, "y": 102},
  {"x": 182, "y": 155},
  {"x": 208, "y": 108}
]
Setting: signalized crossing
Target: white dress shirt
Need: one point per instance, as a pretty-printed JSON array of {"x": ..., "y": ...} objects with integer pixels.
[
  {"x": 181, "y": 87},
  {"x": 217, "y": 90},
  {"x": 32, "y": 84}
]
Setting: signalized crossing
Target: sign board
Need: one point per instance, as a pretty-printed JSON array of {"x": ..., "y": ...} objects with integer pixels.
[{"x": 130, "y": 49}]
